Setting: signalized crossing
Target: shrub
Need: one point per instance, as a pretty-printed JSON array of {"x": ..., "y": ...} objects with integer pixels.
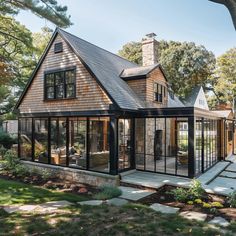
[
  {"x": 206, "y": 205},
  {"x": 11, "y": 160},
  {"x": 6, "y": 140},
  {"x": 217, "y": 204},
  {"x": 231, "y": 199},
  {"x": 180, "y": 194},
  {"x": 198, "y": 201},
  {"x": 190, "y": 202},
  {"x": 194, "y": 192},
  {"x": 2, "y": 151},
  {"x": 108, "y": 192},
  {"x": 20, "y": 170}
]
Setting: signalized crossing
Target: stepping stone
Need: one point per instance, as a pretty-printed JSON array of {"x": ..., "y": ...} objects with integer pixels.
[
  {"x": 91, "y": 203},
  {"x": 134, "y": 194},
  {"x": 164, "y": 209},
  {"x": 51, "y": 206},
  {"x": 27, "y": 208},
  {"x": 228, "y": 174},
  {"x": 193, "y": 215},
  {"x": 117, "y": 201},
  {"x": 231, "y": 167},
  {"x": 219, "y": 221}
]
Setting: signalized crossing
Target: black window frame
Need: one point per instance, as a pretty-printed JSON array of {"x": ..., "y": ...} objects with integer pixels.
[
  {"x": 58, "y": 47},
  {"x": 159, "y": 96},
  {"x": 56, "y": 86}
]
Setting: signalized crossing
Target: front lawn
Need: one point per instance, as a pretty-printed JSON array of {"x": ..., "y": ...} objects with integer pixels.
[
  {"x": 132, "y": 219},
  {"x": 101, "y": 220},
  {"x": 12, "y": 192}
]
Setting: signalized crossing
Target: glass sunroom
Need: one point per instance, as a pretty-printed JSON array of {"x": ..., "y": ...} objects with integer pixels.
[{"x": 183, "y": 142}]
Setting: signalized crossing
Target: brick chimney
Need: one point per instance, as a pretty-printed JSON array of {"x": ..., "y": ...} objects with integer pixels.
[{"x": 149, "y": 50}]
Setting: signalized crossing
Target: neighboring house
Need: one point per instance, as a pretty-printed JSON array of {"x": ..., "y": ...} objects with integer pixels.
[
  {"x": 10, "y": 126},
  {"x": 89, "y": 109}
]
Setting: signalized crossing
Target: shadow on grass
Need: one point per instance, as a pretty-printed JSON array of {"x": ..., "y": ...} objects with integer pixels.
[{"x": 13, "y": 192}]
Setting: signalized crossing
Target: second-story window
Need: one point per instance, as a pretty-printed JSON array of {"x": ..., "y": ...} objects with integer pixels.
[
  {"x": 159, "y": 92},
  {"x": 60, "y": 85}
]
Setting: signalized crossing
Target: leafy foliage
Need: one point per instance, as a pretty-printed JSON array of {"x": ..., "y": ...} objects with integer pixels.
[
  {"x": 224, "y": 79},
  {"x": 48, "y": 9},
  {"x": 232, "y": 199},
  {"x": 6, "y": 140},
  {"x": 194, "y": 193}
]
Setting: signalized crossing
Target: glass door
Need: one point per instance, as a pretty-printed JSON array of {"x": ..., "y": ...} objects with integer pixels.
[{"x": 124, "y": 144}]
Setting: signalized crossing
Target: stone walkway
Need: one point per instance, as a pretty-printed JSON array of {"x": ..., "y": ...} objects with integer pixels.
[
  {"x": 212, "y": 180},
  {"x": 45, "y": 207}
]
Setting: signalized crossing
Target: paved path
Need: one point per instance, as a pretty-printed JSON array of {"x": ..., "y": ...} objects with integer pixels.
[{"x": 212, "y": 181}]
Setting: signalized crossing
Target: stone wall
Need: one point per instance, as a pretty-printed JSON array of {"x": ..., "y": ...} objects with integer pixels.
[{"x": 75, "y": 175}]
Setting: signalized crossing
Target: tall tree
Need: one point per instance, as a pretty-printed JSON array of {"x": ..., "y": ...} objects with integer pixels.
[
  {"x": 47, "y": 9},
  {"x": 224, "y": 79},
  {"x": 186, "y": 65}
]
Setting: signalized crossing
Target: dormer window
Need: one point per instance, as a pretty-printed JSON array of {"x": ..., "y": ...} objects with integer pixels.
[
  {"x": 159, "y": 92},
  {"x": 60, "y": 84},
  {"x": 58, "y": 47}
]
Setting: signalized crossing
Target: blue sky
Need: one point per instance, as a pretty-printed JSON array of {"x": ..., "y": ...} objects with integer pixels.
[{"x": 112, "y": 23}]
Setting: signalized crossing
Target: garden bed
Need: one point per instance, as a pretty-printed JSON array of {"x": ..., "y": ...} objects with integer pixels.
[{"x": 163, "y": 196}]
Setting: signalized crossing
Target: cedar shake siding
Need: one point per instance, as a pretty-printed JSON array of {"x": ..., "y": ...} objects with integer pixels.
[
  {"x": 89, "y": 95},
  {"x": 144, "y": 88}
]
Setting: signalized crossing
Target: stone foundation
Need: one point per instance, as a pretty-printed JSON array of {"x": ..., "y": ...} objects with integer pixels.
[{"x": 75, "y": 175}]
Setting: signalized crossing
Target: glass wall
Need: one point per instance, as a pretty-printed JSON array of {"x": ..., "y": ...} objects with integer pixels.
[
  {"x": 99, "y": 144},
  {"x": 78, "y": 142},
  {"x": 161, "y": 145},
  {"x": 41, "y": 140},
  {"x": 58, "y": 141},
  {"x": 124, "y": 144},
  {"x": 25, "y": 138},
  {"x": 206, "y": 151}
]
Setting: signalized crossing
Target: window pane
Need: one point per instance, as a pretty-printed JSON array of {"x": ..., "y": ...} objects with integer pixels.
[
  {"x": 99, "y": 144},
  {"x": 70, "y": 76},
  {"x": 58, "y": 141},
  {"x": 49, "y": 79},
  {"x": 60, "y": 91},
  {"x": 50, "y": 92},
  {"x": 41, "y": 140},
  {"x": 25, "y": 130},
  {"x": 59, "y": 78},
  {"x": 70, "y": 90},
  {"x": 77, "y": 142}
]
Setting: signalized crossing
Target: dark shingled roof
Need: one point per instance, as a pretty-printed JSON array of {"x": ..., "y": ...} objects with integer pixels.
[
  {"x": 174, "y": 101},
  {"x": 190, "y": 101},
  {"x": 138, "y": 71},
  {"x": 106, "y": 67}
]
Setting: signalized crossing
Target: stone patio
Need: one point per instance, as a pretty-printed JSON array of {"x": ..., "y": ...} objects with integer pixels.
[
  {"x": 134, "y": 194},
  {"x": 164, "y": 209},
  {"x": 91, "y": 202},
  {"x": 193, "y": 215},
  {"x": 219, "y": 221},
  {"x": 211, "y": 180}
]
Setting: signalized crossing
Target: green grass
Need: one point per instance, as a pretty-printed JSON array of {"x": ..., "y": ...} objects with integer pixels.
[
  {"x": 12, "y": 192},
  {"x": 108, "y": 192},
  {"x": 104, "y": 220}
]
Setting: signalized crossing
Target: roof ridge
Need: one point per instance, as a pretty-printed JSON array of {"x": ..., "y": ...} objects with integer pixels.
[{"x": 98, "y": 47}]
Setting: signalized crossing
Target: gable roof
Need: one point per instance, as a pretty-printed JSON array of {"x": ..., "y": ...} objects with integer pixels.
[
  {"x": 195, "y": 97},
  {"x": 103, "y": 65},
  {"x": 138, "y": 71}
]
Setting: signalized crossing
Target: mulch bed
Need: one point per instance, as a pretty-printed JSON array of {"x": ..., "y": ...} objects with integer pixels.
[
  {"x": 163, "y": 197},
  {"x": 53, "y": 183}
]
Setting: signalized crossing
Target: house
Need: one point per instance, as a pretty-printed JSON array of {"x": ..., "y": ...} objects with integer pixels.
[{"x": 89, "y": 111}]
